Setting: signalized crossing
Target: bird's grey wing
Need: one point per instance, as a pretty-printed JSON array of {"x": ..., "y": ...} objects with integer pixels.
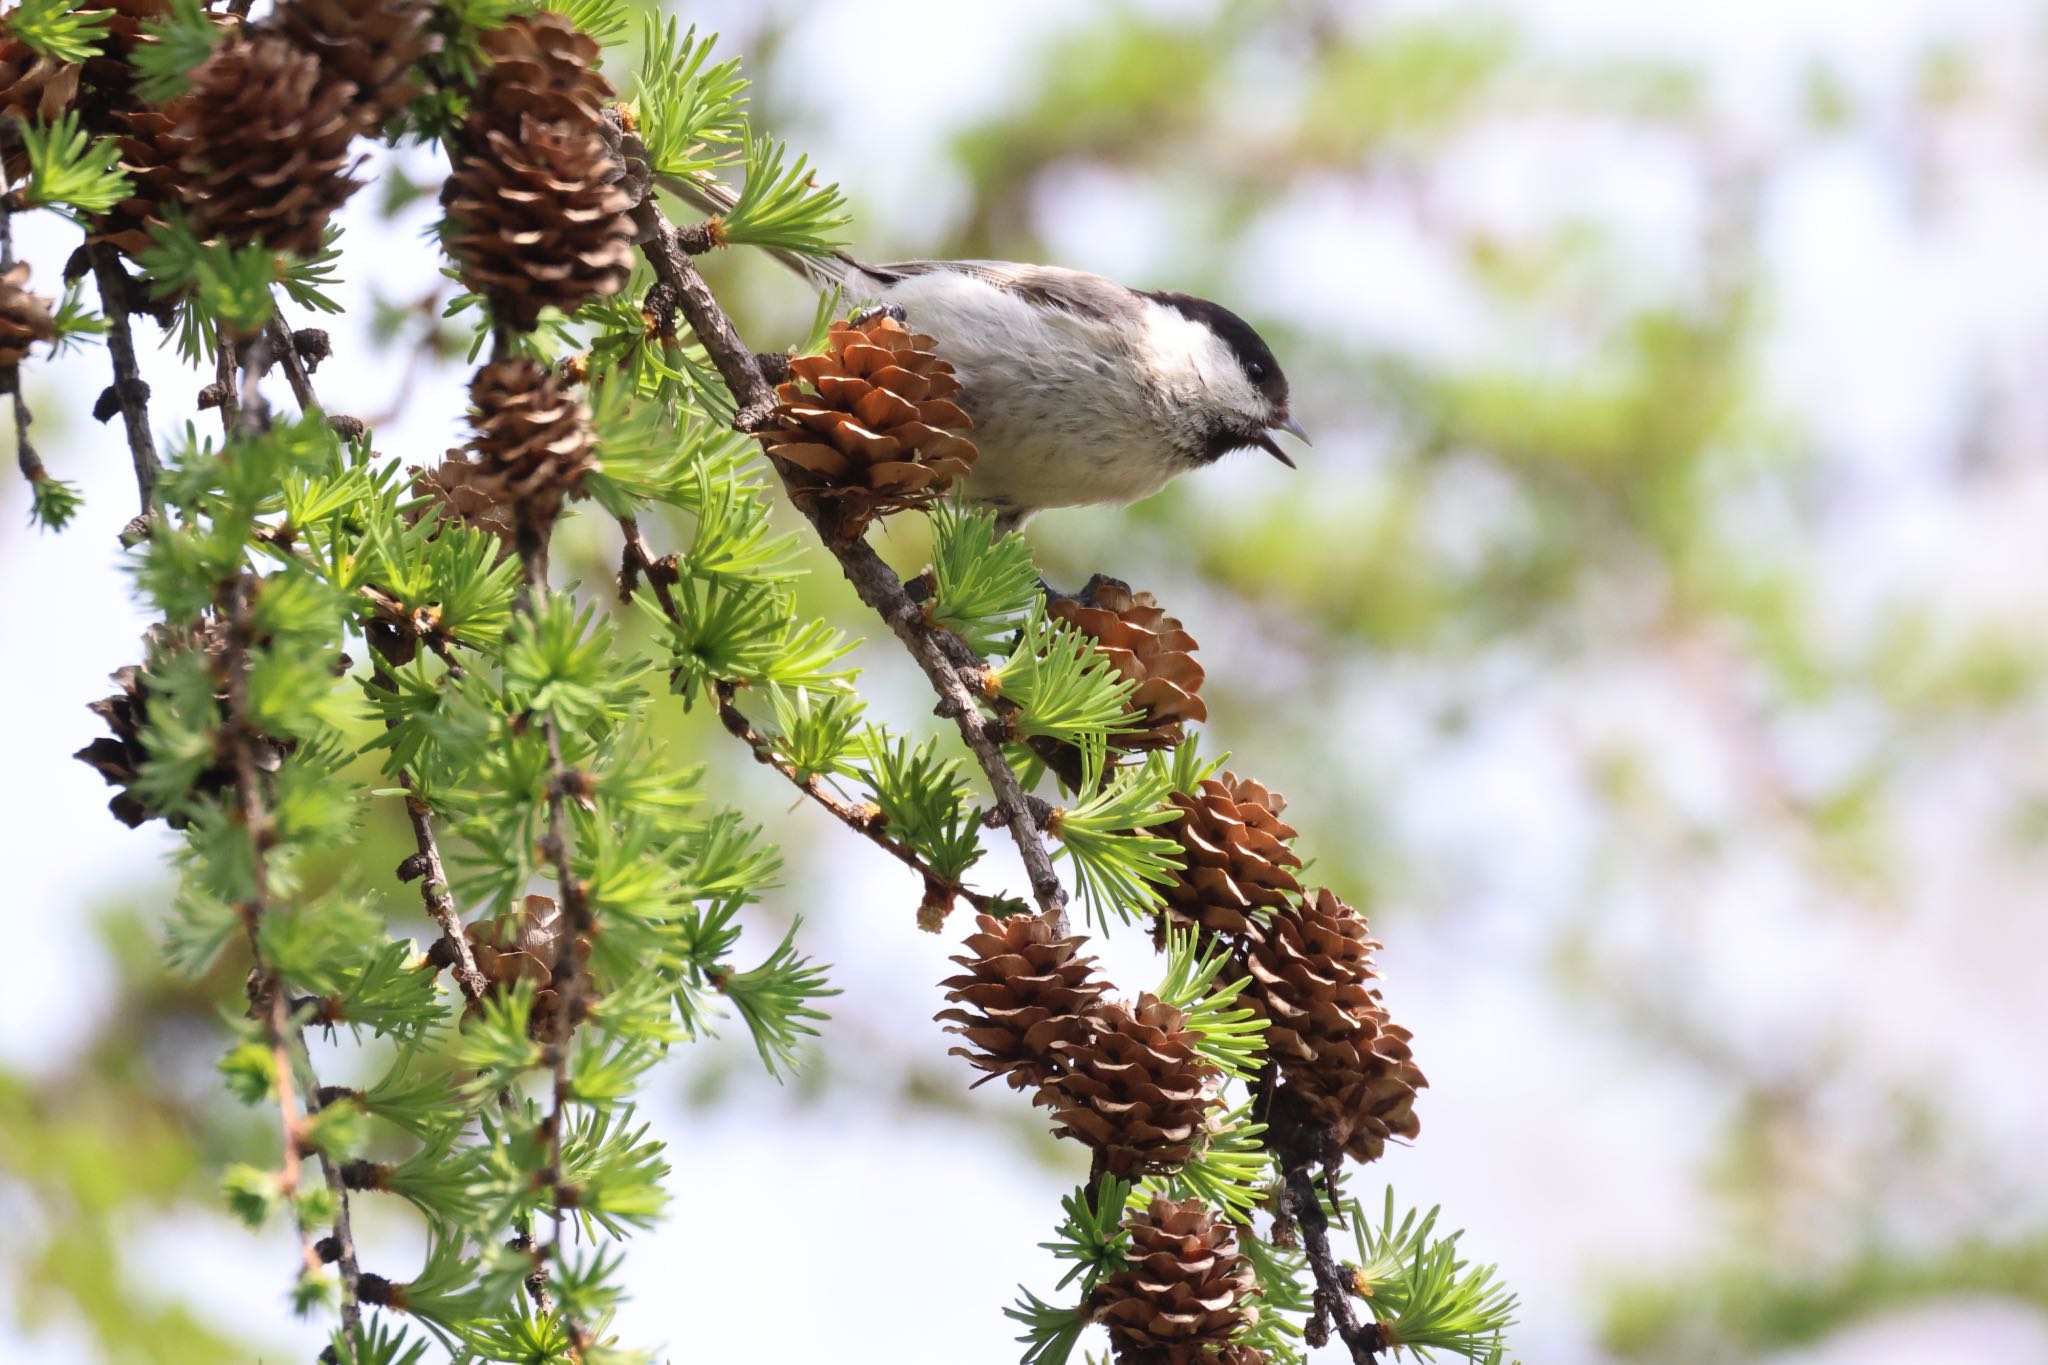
[{"x": 1073, "y": 291}]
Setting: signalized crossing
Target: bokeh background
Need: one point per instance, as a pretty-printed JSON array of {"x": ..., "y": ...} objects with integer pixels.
[{"x": 1653, "y": 640}]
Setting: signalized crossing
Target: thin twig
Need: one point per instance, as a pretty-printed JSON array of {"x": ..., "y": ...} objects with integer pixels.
[
  {"x": 440, "y": 906},
  {"x": 863, "y": 820},
  {"x": 875, "y": 582},
  {"x": 24, "y": 454},
  {"x": 286, "y": 348},
  {"x": 224, "y": 383},
  {"x": 567, "y": 978},
  {"x": 130, "y": 392}
]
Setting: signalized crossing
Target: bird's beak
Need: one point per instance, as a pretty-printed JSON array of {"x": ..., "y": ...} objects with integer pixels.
[{"x": 1272, "y": 447}]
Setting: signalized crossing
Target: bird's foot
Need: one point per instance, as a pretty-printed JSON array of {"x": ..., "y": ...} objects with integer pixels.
[
  {"x": 880, "y": 310},
  {"x": 1086, "y": 597}
]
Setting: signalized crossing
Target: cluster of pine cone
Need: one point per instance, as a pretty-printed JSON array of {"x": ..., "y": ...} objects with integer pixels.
[
  {"x": 1309, "y": 957},
  {"x": 1125, "y": 1079},
  {"x": 1129, "y": 1081},
  {"x": 258, "y": 148}
]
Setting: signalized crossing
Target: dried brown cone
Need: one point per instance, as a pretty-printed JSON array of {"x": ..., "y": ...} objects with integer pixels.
[
  {"x": 269, "y": 133},
  {"x": 537, "y": 209},
  {"x": 1312, "y": 978},
  {"x": 110, "y": 74},
  {"x": 1186, "y": 1292},
  {"x": 154, "y": 145},
  {"x": 1236, "y": 864},
  {"x": 540, "y": 66},
  {"x": 119, "y": 757},
  {"x": 1149, "y": 648},
  {"x": 1133, "y": 1087},
  {"x": 869, "y": 427},
  {"x": 1023, "y": 990},
  {"x": 25, "y": 319},
  {"x": 151, "y": 148},
  {"x": 526, "y": 945},
  {"x": 32, "y": 89},
  {"x": 531, "y": 447},
  {"x": 373, "y": 44}
]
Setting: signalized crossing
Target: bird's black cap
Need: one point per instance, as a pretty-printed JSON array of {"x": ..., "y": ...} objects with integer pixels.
[{"x": 1240, "y": 336}]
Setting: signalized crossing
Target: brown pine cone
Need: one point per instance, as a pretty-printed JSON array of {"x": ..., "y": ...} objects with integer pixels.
[
  {"x": 32, "y": 88},
  {"x": 25, "y": 318},
  {"x": 154, "y": 145},
  {"x": 374, "y": 44},
  {"x": 1023, "y": 990},
  {"x": 1148, "y": 647},
  {"x": 110, "y": 70},
  {"x": 269, "y": 135},
  {"x": 453, "y": 493},
  {"x": 1134, "y": 1087},
  {"x": 531, "y": 448},
  {"x": 119, "y": 758},
  {"x": 541, "y": 66},
  {"x": 1186, "y": 1292},
  {"x": 537, "y": 211},
  {"x": 1312, "y": 978},
  {"x": 152, "y": 150},
  {"x": 526, "y": 945},
  {"x": 869, "y": 426},
  {"x": 1237, "y": 867},
  {"x": 108, "y": 87}
]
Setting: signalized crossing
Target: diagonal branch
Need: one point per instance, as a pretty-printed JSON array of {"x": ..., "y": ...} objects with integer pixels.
[
  {"x": 935, "y": 650},
  {"x": 639, "y": 561}
]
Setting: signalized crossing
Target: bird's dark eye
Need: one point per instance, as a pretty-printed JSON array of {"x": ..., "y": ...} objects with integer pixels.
[{"x": 1255, "y": 371}]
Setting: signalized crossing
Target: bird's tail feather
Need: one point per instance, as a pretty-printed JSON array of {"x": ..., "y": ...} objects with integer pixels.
[{"x": 836, "y": 271}]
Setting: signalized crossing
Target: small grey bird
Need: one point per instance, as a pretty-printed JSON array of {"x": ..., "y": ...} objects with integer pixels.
[{"x": 1082, "y": 390}]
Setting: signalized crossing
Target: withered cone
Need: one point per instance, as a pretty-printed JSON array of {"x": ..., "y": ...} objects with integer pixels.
[
  {"x": 526, "y": 945},
  {"x": 537, "y": 212},
  {"x": 1023, "y": 990},
  {"x": 869, "y": 427},
  {"x": 531, "y": 446},
  {"x": 1237, "y": 867},
  {"x": 373, "y": 44},
  {"x": 1312, "y": 978},
  {"x": 1186, "y": 1292},
  {"x": 154, "y": 145},
  {"x": 1149, "y": 648},
  {"x": 25, "y": 319},
  {"x": 267, "y": 134},
  {"x": 119, "y": 757},
  {"x": 1134, "y": 1087},
  {"x": 33, "y": 89}
]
